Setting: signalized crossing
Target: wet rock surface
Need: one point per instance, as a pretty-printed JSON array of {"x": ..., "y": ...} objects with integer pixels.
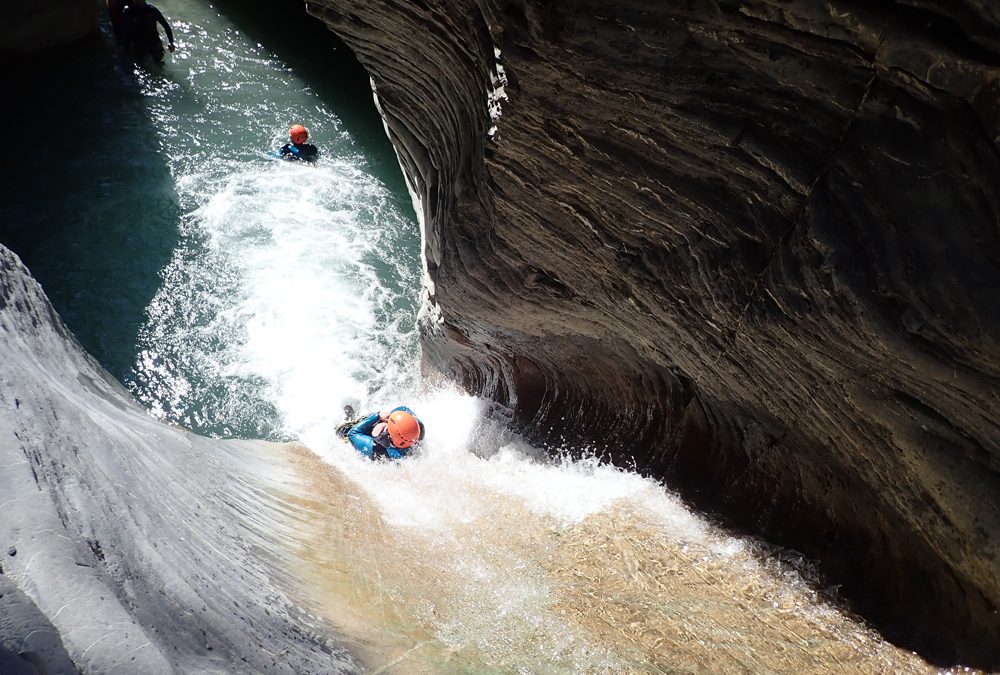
[
  {"x": 133, "y": 546},
  {"x": 753, "y": 245}
]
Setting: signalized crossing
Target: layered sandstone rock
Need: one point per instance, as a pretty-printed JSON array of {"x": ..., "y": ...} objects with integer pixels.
[{"x": 753, "y": 245}]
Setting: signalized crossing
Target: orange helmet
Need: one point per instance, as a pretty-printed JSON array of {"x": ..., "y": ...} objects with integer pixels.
[
  {"x": 298, "y": 134},
  {"x": 404, "y": 429}
]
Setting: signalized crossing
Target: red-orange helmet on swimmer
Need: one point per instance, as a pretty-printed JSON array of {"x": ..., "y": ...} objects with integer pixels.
[
  {"x": 298, "y": 134},
  {"x": 404, "y": 429}
]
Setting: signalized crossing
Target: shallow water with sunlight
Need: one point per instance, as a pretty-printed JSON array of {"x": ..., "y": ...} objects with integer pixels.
[{"x": 293, "y": 286}]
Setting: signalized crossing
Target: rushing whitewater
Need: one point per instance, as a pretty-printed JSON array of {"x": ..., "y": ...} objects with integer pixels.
[{"x": 293, "y": 290}]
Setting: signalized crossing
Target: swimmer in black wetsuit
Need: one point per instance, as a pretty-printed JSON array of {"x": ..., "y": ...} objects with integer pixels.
[
  {"x": 138, "y": 22},
  {"x": 298, "y": 148}
]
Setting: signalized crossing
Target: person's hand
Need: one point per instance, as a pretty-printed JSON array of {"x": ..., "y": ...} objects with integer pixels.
[
  {"x": 171, "y": 47},
  {"x": 384, "y": 414}
]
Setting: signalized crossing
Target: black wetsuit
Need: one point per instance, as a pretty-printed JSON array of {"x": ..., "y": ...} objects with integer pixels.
[
  {"x": 139, "y": 24},
  {"x": 303, "y": 151},
  {"x": 116, "y": 10}
]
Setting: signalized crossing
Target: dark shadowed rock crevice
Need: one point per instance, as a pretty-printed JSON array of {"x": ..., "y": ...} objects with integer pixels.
[
  {"x": 751, "y": 245},
  {"x": 27, "y": 27}
]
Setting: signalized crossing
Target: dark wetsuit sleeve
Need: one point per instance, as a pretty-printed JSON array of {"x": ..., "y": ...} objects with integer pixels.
[
  {"x": 394, "y": 453},
  {"x": 360, "y": 436},
  {"x": 304, "y": 151},
  {"x": 163, "y": 22}
]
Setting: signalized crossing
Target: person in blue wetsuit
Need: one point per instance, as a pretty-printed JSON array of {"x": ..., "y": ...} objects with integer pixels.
[
  {"x": 385, "y": 434},
  {"x": 138, "y": 29},
  {"x": 298, "y": 148}
]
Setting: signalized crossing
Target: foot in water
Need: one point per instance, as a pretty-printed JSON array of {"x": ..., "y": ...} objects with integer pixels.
[{"x": 350, "y": 419}]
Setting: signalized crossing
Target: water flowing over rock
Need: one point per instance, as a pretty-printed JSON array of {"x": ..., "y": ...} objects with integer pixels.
[
  {"x": 752, "y": 245},
  {"x": 130, "y": 544}
]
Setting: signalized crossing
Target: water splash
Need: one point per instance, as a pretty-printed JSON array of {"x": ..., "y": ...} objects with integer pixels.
[{"x": 510, "y": 561}]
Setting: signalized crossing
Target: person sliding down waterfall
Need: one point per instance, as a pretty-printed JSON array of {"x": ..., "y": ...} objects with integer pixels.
[
  {"x": 390, "y": 433},
  {"x": 298, "y": 148}
]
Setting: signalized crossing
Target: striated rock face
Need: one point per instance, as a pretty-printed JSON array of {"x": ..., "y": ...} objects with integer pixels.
[
  {"x": 753, "y": 245},
  {"x": 43, "y": 24},
  {"x": 116, "y": 555}
]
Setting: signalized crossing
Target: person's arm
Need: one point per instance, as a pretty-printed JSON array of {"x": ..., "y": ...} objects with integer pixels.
[
  {"x": 166, "y": 27},
  {"x": 360, "y": 435}
]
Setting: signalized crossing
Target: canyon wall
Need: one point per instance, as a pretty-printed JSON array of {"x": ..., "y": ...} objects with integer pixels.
[
  {"x": 752, "y": 246},
  {"x": 43, "y": 24}
]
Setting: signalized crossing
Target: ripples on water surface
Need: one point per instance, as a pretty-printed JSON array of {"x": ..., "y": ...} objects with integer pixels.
[
  {"x": 457, "y": 562},
  {"x": 293, "y": 289}
]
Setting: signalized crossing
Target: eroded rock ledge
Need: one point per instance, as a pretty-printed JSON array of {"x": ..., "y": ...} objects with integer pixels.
[{"x": 752, "y": 244}]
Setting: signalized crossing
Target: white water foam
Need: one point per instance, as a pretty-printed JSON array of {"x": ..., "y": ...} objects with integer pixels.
[
  {"x": 309, "y": 308},
  {"x": 445, "y": 484},
  {"x": 305, "y": 240},
  {"x": 496, "y": 92},
  {"x": 293, "y": 288}
]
